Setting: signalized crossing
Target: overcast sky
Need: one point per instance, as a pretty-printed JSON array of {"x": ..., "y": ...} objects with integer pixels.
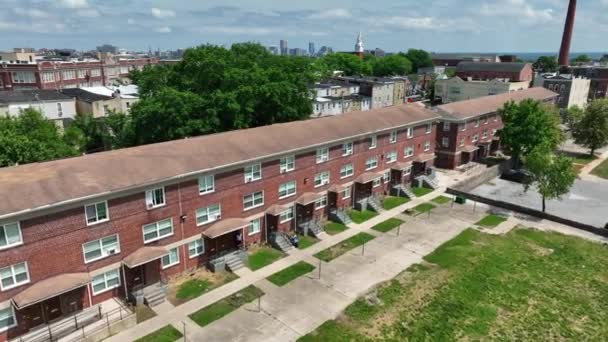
[{"x": 393, "y": 25}]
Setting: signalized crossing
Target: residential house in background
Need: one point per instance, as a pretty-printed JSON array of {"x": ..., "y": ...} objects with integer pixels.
[
  {"x": 452, "y": 59},
  {"x": 457, "y": 89},
  {"x": 401, "y": 90},
  {"x": 599, "y": 79},
  {"x": 573, "y": 91},
  {"x": 52, "y": 104},
  {"x": 513, "y": 72}
]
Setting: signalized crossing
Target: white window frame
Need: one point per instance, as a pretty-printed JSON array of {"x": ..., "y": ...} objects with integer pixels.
[
  {"x": 151, "y": 198},
  {"x": 371, "y": 163},
  {"x": 253, "y": 172},
  {"x": 446, "y": 126},
  {"x": 4, "y": 228},
  {"x": 484, "y": 134},
  {"x": 346, "y": 193},
  {"x": 158, "y": 236},
  {"x": 376, "y": 182},
  {"x": 475, "y": 138},
  {"x": 287, "y": 164},
  {"x": 462, "y": 141},
  {"x": 203, "y": 186},
  {"x": 195, "y": 246},
  {"x": 464, "y": 126},
  {"x": 289, "y": 189},
  {"x": 429, "y": 128},
  {"x": 258, "y": 224},
  {"x": 104, "y": 250},
  {"x": 392, "y": 137},
  {"x": 445, "y": 142},
  {"x": 322, "y": 154},
  {"x": 373, "y": 142},
  {"x": 486, "y": 120},
  {"x": 409, "y": 132},
  {"x": 169, "y": 255},
  {"x": 14, "y": 318},
  {"x": 477, "y": 122},
  {"x": 105, "y": 281},
  {"x": 350, "y": 171},
  {"x": 427, "y": 146},
  {"x": 97, "y": 221},
  {"x": 347, "y": 149},
  {"x": 286, "y": 215},
  {"x": 323, "y": 179},
  {"x": 408, "y": 151},
  {"x": 212, "y": 216},
  {"x": 391, "y": 157},
  {"x": 407, "y": 170},
  {"x": 386, "y": 176},
  {"x": 253, "y": 200},
  {"x": 321, "y": 203},
  {"x": 14, "y": 277}
]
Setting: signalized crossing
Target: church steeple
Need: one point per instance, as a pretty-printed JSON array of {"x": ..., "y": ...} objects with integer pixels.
[{"x": 359, "y": 44}]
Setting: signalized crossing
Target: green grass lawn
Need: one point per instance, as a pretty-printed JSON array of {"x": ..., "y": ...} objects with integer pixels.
[
  {"x": 263, "y": 256},
  {"x": 165, "y": 334},
  {"x": 578, "y": 158},
  {"x": 333, "y": 228},
  {"x": 197, "y": 284},
  {"x": 491, "y": 221},
  {"x": 421, "y": 209},
  {"x": 601, "y": 170},
  {"x": 290, "y": 273},
  {"x": 361, "y": 216},
  {"x": 225, "y": 305},
  {"x": 527, "y": 285},
  {"x": 391, "y": 202},
  {"x": 306, "y": 241},
  {"x": 335, "y": 251},
  {"x": 192, "y": 289},
  {"x": 442, "y": 200},
  {"x": 387, "y": 225},
  {"x": 421, "y": 191}
]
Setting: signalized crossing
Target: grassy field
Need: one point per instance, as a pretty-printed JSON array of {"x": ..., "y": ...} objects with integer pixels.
[
  {"x": 391, "y": 202},
  {"x": 421, "y": 191},
  {"x": 387, "y": 225},
  {"x": 263, "y": 256},
  {"x": 491, "y": 221},
  {"x": 290, "y": 273},
  {"x": 165, "y": 334},
  {"x": 421, "y": 208},
  {"x": 442, "y": 200},
  {"x": 333, "y": 228},
  {"x": 335, "y": 251},
  {"x": 306, "y": 241},
  {"x": 190, "y": 286},
  {"x": 527, "y": 285},
  {"x": 361, "y": 216},
  {"x": 601, "y": 170},
  {"x": 226, "y": 305}
]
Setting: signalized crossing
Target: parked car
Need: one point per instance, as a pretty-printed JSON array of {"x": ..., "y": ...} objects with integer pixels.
[{"x": 519, "y": 176}]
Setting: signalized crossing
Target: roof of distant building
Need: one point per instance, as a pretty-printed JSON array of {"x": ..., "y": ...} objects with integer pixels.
[
  {"x": 464, "y": 56},
  {"x": 85, "y": 95},
  {"x": 33, "y": 95},
  {"x": 490, "y": 66}
]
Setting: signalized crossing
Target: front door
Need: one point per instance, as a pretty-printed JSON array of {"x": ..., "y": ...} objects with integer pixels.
[
  {"x": 33, "y": 315},
  {"x": 72, "y": 301},
  {"x": 52, "y": 308},
  {"x": 152, "y": 272}
]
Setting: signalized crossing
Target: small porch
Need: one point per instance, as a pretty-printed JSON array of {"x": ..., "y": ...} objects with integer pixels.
[
  {"x": 364, "y": 189},
  {"x": 401, "y": 179},
  {"x": 469, "y": 154},
  {"x": 308, "y": 217},
  {"x": 422, "y": 163},
  {"x": 142, "y": 273},
  {"x": 226, "y": 241}
]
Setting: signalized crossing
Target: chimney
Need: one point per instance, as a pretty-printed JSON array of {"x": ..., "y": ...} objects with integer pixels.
[{"x": 564, "y": 51}]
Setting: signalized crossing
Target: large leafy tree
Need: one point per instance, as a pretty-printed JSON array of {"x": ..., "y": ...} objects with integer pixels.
[
  {"x": 581, "y": 59},
  {"x": 546, "y": 64},
  {"x": 551, "y": 174},
  {"x": 591, "y": 129},
  {"x": 348, "y": 63},
  {"x": 392, "y": 65},
  {"x": 30, "y": 137},
  {"x": 419, "y": 58},
  {"x": 528, "y": 125}
]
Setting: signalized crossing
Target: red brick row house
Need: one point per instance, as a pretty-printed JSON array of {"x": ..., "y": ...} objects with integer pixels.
[
  {"x": 78, "y": 231},
  {"x": 468, "y": 129}
]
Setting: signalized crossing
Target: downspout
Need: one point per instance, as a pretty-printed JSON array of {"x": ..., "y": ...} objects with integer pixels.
[{"x": 181, "y": 224}]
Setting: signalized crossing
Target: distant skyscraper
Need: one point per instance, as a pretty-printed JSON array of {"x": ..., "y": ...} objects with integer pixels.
[
  {"x": 311, "y": 48},
  {"x": 284, "y": 47}
]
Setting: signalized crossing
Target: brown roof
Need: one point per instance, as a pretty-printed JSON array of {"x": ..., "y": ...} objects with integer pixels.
[
  {"x": 401, "y": 165},
  {"x": 308, "y": 197},
  {"x": 467, "y": 109},
  {"x": 144, "y": 255},
  {"x": 367, "y": 177},
  {"x": 336, "y": 188},
  {"x": 225, "y": 226},
  {"x": 424, "y": 157},
  {"x": 50, "y": 287},
  {"x": 276, "y": 210},
  {"x": 38, "y": 185},
  {"x": 470, "y": 148}
]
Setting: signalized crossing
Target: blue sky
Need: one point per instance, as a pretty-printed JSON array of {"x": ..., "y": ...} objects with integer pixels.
[{"x": 435, "y": 25}]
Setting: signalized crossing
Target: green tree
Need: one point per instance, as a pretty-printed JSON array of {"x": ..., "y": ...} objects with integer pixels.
[
  {"x": 120, "y": 131},
  {"x": 591, "y": 129},
  {"x": 528, "y": 125},
  {"x": 546, "y": 64},
  {"x": 572, "y": 117},
  {"x": 552, "y": 174},
  {"x": 348, "y": 63},
  {"x": 30, "y": 137},
  {"x": 419, "y": 59},
  {"x": 392, "y": 65},
  {"x": 581, "y": 59},
  {"x": 88, "y": 132},
  {"x": 604, "y": 59}
]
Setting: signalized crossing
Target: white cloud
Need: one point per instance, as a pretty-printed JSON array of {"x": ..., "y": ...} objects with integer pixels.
[
  {"x": 335, "y": 13},
  {"x": 164, "y": 29},
  {"x": 74, "y": 3},
  {"x": 88, "y": 13},
  {"x": 237, "y": 30},
  {"x": 162, "y": 13},
  {"x": 30, "y": 12},
  {"x": 519, "y": 9}
]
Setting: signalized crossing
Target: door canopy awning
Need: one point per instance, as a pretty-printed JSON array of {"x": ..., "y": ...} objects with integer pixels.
[
  {"x": 423, "y": 158},
  {"x": 470, "y": 149},
  {"x": 144, "y": 255},
  {"x": 367, "y": 177},
  {"x": 225, "y": 226},
  {"x": 276, "y": 210},
  {"x": 308, "y": 198},
  {"x": 401, "y": 166},
  {"x": 49, "y": 288}
]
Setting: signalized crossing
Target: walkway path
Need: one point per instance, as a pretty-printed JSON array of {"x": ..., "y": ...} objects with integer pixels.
[{"x": 586, "y": 170}]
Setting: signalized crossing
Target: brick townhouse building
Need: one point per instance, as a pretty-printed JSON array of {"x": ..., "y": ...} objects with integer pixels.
[
  {"x": 468, "y": 129},
  {"x": 514, "y": 72},
  {"x": 78, "y": 231}
]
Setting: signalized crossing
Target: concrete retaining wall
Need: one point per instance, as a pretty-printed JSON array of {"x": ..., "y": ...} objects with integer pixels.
[{"x": 485, "y": 175}]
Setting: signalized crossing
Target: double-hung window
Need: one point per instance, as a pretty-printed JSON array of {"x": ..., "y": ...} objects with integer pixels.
[
  {"x": 196, "y": 248},
  {"x": 106, "y": 281},
  {"x": 206, "y": 184},
  {"x": 377, "y": 182},
  {"x": 427, "y": 146},
  {"x": 253, "y": 172},
  {"x": 321, "y": 202},
  {"x": 347, "y": 149},
  {"x": 391, "y": 157},
  {"x": 445, "y": 142},
  {"x": 463, "y": 127},
  {"x": 346, "y": 193},
  {"x": 208, "y": 214},
  {"x": 408, "y": 151},
  {"x": 155, "y": 198},
  {"x": 96, "y": 213},
  {"x": 321, "y": 179},
  {"x": 7, "y": 319},
  {"x": 347, "y": 171},
  {"x": 158, "y": 230},
  {"x": 475, "y": 138},
  {"x": 410, "y": 132},
  {"x": 371, "y": 163},
  {"x": 254, "y": 227},
  {"x": 253, "y": 200},
  {"x": 392, "y": 138},
  {"x": 10, "y": 235},
  {"x": 373, "y": 141},
  {"x": 287, "y": 163},
  {"x": 387, "y": 176},
  {"x": 99, "y": 249},
  {"x": 322, "y": 155},
  {"x": 287, "y": 189},
  {"x": 407, "y": 170},
  {"x": 13, "y": 276},
  {"x": 446, "y": 126},
  {"x": 171, "y": 258},
  {"x": 286, "y": 216},
  {"x": 477, "y": 123},
  {"x": 461, "y": 141},
  {"x": 429, "y": 128}
]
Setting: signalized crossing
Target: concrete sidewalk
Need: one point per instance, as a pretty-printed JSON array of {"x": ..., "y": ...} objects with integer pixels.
[{"x": 178, "y": 315}]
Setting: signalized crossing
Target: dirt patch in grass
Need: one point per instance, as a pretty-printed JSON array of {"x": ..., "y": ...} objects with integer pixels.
[{"x": 196, "y": 283}]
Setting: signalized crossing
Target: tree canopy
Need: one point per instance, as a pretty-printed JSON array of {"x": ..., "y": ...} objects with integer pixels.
[
  {"x": 581, "y": 59},
  {"x": 348, "y": 63},
  {"x": 392, "y": 65},
  {"x": 591, "y": 128},
  {"x": 546, "y": 64},
  {"x": 419, "y": 59}
]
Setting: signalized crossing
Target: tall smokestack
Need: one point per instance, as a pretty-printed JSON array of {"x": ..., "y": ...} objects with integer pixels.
[{"x": 564, "y": 51}]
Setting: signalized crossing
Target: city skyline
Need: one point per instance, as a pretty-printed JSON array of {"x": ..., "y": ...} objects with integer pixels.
[{"x": 441, "y": 25}]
